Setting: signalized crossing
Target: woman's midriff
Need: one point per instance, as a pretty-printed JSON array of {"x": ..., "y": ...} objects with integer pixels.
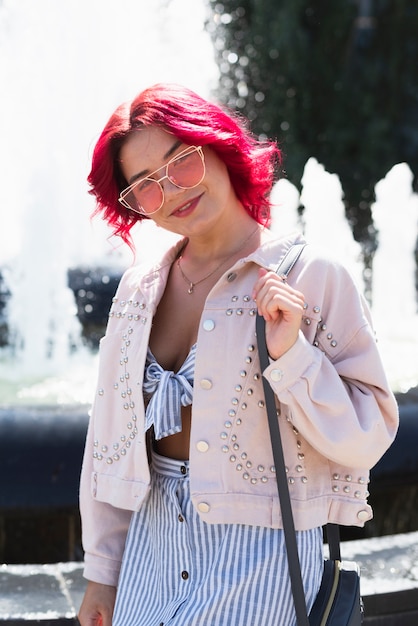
[{"x": 177, "y": 446}]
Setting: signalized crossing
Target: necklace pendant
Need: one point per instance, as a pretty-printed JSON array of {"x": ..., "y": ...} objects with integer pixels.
[{"x": 191, "y": 288}]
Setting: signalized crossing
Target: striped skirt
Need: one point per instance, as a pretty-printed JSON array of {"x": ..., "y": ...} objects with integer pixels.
[{"x": 180, "y": 571}]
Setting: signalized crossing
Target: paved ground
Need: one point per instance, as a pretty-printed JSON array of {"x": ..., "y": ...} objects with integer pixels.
[
  {"x": 45, "y": 594},
  {"x": 51, "y": 594}
]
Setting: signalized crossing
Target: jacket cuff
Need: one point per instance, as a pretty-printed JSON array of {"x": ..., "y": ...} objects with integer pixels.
[
  {"x": 292, "y": 365},
  {"x": 100, "y": 570}
]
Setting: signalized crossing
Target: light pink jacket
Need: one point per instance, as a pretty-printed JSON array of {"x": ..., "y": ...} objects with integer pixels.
[{"x": 337, "y": 413}]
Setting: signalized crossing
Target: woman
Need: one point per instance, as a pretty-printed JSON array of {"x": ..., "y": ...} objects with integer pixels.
[{"x": 181, "y": 521}]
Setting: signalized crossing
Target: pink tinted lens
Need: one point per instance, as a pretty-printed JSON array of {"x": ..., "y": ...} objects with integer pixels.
[
  {"x": 146, "y": 197},
  {"x": 187, "y": 170}
]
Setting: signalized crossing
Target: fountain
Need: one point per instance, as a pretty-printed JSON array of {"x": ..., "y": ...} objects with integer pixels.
[{"x": 64, "y": 67}]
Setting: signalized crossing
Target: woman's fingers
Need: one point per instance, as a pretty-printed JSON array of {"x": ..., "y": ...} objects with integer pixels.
[
  {"x": 274, "y": 297},
  {"x": 282, "y": 308}
]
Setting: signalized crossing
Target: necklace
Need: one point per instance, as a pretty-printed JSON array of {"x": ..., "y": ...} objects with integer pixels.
[{"x": 192, "y": 284}]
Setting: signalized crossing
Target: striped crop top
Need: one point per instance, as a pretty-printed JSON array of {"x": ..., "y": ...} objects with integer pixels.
[{"x": 167, "y": 393}]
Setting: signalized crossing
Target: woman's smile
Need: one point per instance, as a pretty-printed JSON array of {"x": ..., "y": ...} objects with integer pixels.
[{"x": 184, "y": 210}]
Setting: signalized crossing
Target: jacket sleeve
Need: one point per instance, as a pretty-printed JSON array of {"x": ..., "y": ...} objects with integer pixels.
[
  {"x": 104, "y": 527},
  {"x": 336, "y": 392}
]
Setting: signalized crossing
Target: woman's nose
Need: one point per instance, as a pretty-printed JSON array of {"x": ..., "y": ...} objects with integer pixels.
[{"x": 169, "y": 188}]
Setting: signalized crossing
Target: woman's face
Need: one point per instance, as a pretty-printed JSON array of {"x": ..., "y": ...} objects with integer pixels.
[{"x": 184, "y": 211}]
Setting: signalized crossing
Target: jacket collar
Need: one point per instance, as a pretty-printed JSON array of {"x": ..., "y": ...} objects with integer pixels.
[{"x": 150, "y": 277}]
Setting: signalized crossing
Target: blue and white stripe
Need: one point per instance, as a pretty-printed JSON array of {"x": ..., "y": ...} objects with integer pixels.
[
  {"x": 170, "y": 392},
  {"x": 181, "y": 571}
]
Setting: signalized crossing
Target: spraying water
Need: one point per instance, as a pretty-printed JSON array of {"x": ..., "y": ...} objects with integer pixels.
[
  {"x": 395, "y": 216},
  {"x": 64, "y": 67}
]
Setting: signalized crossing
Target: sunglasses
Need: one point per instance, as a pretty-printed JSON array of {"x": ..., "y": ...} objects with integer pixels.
[{"x": 146, "y": 196}]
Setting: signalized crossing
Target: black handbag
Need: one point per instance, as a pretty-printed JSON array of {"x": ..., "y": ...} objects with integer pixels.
[{"x": 338, "y": 602}]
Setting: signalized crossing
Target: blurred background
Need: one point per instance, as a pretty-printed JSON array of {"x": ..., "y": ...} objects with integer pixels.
[{"x": 334, "y": 81}]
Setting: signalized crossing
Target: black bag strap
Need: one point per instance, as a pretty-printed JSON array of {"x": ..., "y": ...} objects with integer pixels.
[{"x": 283, "y": 269}]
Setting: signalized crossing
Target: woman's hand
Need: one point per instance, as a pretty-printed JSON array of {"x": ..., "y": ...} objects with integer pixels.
[
  {"x": 97, "y": 606},
  {"x": 282, "y": 308}
]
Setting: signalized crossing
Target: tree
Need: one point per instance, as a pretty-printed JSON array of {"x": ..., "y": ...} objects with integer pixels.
[{"x": 332, "y": 79}]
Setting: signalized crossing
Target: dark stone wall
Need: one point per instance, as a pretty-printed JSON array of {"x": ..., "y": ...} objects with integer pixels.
[{"x": 41, "y": 451}]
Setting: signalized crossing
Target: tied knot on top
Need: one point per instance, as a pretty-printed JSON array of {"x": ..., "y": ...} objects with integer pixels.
[{"x": 169, "y": 391}]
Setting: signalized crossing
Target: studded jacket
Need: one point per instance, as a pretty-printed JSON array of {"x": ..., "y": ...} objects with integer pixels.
[{"x": 336, "y": 412}]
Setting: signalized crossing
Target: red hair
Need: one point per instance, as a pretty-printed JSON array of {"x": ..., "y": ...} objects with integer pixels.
[{"x": 251, "y": 163}]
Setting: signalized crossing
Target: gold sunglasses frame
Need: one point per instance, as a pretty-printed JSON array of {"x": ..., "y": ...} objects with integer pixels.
[{"x": 181, "y": 154}]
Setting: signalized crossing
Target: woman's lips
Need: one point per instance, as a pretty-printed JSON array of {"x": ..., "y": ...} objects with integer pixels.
[{"x": 187, "y": 208}]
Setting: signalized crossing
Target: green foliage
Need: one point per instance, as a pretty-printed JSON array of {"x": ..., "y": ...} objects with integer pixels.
[{"x": 332, "y": 79}]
